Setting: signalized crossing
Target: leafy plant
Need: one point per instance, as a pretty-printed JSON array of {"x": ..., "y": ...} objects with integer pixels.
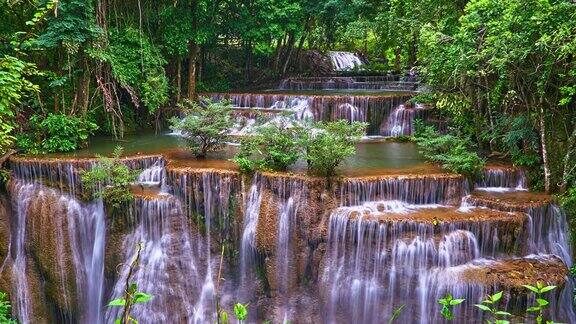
[
  {"x": 328, "y": 144},
  {"x": 453, "y": 152},
  {"x": 489, "y": 305},
  {"x": 131, "y": 294},
  {"x": 270, "y": 147},
  {"x": 57, "y": 133},
  {"x": 448, "y": 302},
  {"x": 5, "y": 309},
  {"x": 110, "y": 179},
  {"x": 241, "y": 311},
  {"x": 205, "y": 128},
  {"x": 541, "y": 303},
  {"x": 423, "y": 98}
]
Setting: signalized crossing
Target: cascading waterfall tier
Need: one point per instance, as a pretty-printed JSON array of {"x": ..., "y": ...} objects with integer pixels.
[
  {"x": 371, "y": 109},
  {"x": 381, "y": 255},
  {"x": 63, "y": 239},
  {"x": 308, "y": 250},
  {"x": 547, "y": 222},
  {"x": 400, "y": 122},
  {"x": 443, "y": 189},
  {"x": 501, "y": 179},
  {"x": 171, "y": 261},
  {"x": 386, "y": 82},
  {"x": 65, "y": 173}
]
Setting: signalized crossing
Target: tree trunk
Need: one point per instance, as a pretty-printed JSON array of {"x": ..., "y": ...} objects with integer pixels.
[
  {"x": 302, "y": 38},
  {"x": 178, "y": 79},
  {"x": 193, "y": 58},
  {"x": 291, "y": 41},
  {"x": 543, "y": 137},
  {"x": 85, "y": 89}
]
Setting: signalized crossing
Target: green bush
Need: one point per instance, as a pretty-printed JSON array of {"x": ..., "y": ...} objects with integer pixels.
[
  {"x": 110, "y": 180},
  {"x": 452, "y": 152},
  {"x": 327, "y": 144},
  {"x": 5, "y": 309},
  {"x": 56, "y": 133},
  {"x": 272, "y": 147},
  {"x": 427, "y": 98},
  {"x": 205, "y": 128}
]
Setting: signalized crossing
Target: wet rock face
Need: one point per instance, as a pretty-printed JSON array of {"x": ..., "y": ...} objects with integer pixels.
[
  {"x": 49, "y": 246},
  {"x": 5, "y": 215}
]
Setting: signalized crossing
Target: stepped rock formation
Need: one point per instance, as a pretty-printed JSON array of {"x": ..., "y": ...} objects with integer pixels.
[{"x": 297, "y": 248}]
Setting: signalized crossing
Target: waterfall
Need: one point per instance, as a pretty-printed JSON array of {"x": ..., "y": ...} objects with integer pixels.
[
  {"x": 22, "y": 193},
  {"x": 290, "y": 192},
  {"x": 168, "y": 267},
  {"x": 154, "y": 175},
  {"x": 381, "y": 255},
  {"x": 401, "y": 121},
  {"x": 86, "y": 238},
  {"x": 417, "y": 190},
  {"x": 385, "y": 82},
  {"x": 344, "y": 61},
  {"x": 248, "y": 241},
  {"x": 87, "y": 231},
  {"x": 375, "y": 110},
  {"x": 497, "y": 179}
]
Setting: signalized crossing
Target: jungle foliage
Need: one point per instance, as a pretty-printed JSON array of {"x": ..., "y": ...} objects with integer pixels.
[
  {"x": 204, "y": 127},
  {"x": 111, "y": 180}
]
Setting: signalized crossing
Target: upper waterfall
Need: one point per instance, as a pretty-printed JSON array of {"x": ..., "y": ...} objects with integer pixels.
[{"x": 345, "y": 61}]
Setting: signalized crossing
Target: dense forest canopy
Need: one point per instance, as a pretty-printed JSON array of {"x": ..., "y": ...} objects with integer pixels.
[{"x": 503, "y": 72}]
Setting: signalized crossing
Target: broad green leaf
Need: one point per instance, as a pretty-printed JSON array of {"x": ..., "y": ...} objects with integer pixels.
[
  {"x": 141, "y": 297},
  {"x": 547, "y": 288},
  {"x": 503, "y": 313},
  {"x": 456, "y": 301},
  {"x": 542, "y": 302},
  {"x": 483, "y": 307},
  {"x": 117, "y": 302},
  {"x": 496, "y": 297},
  {"x": 532, "y": 288}
]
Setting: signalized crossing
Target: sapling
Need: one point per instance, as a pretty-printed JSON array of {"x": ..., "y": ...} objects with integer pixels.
[
  {"x": 448, "y": 302},
  {"x": 131, "y": 294},
  {"x": 489, "y": 305},
  {"x": 541, "y": 303}
]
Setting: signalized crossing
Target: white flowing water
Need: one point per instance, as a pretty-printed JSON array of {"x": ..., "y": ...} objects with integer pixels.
[
  {"x": 345, "y": 61},
  {"x": 87, "y": 234},
  {"x": 248, "y": 241},
  {"x": 291, "y": 193},
  {"x": 23, "y": 195},
  {"x": 502, "y": 180},
  {"x": 371, "y": 268},
  {"x": 168, "y": 267}
]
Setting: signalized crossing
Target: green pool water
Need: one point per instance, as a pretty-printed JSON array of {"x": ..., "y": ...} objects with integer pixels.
[{"x": 371, "y": 158}]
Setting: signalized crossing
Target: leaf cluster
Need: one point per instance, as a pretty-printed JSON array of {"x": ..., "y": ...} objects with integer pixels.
[
  {"x": 452, "y": 152},
  {"x": 5, "y": 310},
  {"x": 110, "y": 179},
  {"x": 448, "y": 302},
  {"x": 56, "y": 133},
  {"x": 204, "y": 127},
  {"x": 323, "y": 145},
  {"x": 489, "y": 305}
]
